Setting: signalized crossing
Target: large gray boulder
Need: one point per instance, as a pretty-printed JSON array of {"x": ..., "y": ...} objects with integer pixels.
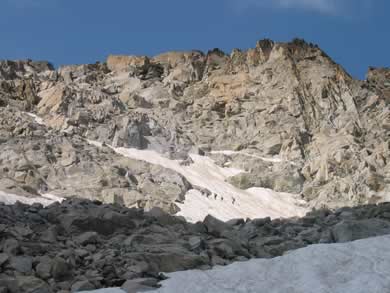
[
  {"x": 140, "y": 285},
  {"x": 214, "y": 226},
  {"x": 354, "y": 230},
  {"x": 21, "y": 264}
]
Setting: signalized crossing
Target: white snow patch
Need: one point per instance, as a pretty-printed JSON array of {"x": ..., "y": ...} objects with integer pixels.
[
  {"x": 360, "y": 267},
  {"x": 37, "y": 119},
  {"x": 251, "y": 203},
  {"x": 230, "y": 203},
  {"x": 52, "y": 197},
  {"x": 229, "y": 153},
  {"x": 45, "y": 199},
  {"x": 95, "y": 143},
  {"x": 106, "y": 290}
]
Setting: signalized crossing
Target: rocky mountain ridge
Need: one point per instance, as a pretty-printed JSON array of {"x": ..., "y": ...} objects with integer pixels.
[
  {"x": 123, "y": 144},
  {"x": 327, "y": 133}
]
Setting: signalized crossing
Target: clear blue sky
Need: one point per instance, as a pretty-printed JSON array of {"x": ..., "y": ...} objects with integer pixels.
[{"x": 355, "y": 33}]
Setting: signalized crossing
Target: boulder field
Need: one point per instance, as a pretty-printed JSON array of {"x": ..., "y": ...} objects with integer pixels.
[{"x": 80, "y": 245}]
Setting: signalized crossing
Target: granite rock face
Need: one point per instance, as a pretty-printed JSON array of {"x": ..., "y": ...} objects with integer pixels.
[
  {"x": 296, "y": 121},
  {"x": 36, "y": 160}
]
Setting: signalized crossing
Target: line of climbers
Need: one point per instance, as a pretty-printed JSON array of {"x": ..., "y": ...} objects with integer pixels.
[{"x": 215, "y": 196}]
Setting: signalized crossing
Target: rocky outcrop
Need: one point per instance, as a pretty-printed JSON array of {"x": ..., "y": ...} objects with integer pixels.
[
  {"x": 322, "y": 133},
  {"x": 82, "y": 245},
  {"x": 37, "y": 161}
]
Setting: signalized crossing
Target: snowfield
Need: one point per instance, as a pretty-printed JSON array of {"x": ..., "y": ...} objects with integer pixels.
[
  {"x": 360, "y": 267},
  {"x": 229, "y": 153},
  {"x": 108, "y": 290},
  {"x": 356, "y": 267},
  {"x": 230, "y": 202},
  {"x": 226, "y": 202},
  {"x": 44, "y": 199},
  {"x": 37, "y": 119}
]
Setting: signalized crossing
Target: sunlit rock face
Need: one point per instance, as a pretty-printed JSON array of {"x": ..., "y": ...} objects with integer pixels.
[{"x": 285, "y": 114}]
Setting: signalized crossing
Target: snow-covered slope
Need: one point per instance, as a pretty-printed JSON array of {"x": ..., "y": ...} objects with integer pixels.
[
  {"x": 226, "y": 202},
  {"x": 359, "y": 267},
  {"x": 107, "y": 290},
  {"x": 230, "y": 202},
  {"x": 44, "y": 199},
  {"x": 228, "y": 152},
  {"x": 37, "y": 119}
]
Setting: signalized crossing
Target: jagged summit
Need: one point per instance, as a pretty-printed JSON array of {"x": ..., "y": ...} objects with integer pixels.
[{"x": 297, "y": 49}]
